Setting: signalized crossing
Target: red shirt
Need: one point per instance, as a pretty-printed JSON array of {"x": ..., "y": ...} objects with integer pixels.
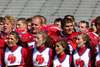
[
  {"x": 81, "y": 52},
  {"x": 70, "y": 38},
  {"x": 62, "y": 57},
  {"x": 2, "y": 44}
]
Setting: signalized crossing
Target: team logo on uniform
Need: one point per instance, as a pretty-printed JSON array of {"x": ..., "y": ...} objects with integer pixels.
[
  {"x": 39, "y": 59},
  {"x": 11, "y": 58},
  {"x": 79, "y": 62}
]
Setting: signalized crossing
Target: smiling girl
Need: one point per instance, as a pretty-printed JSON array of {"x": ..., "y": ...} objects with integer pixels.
[
  {"x": 14, "y": 55},
  {"x": 62, "y": 57},
  {"x": 41, "y": 55},
  {"x": 82, "y": 55}
]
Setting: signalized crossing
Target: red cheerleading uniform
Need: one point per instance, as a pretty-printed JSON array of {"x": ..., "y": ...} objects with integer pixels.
[
  {"x": 39, "y": 58},
  {"x": 97, "y": 62},
  {"x": 82, "y": 57},
  {"x": 15, "y": 56},
  {"x": 94, "y": 40},
  {"x": 62, "y": 60}
]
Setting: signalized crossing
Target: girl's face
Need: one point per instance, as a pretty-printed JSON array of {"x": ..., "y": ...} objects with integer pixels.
[
  {"x": 12, "y": 40},
  {"x": 39, "y": 40},
  {"x": 58, "y": 48},
  {"x": 80, "y": 41}
]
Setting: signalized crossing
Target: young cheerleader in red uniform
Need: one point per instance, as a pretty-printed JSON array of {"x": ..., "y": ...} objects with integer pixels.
[
  {"x": 62, "y": 57},
  {"x": 41, "y": 56},
  {"x": 14, "y": 55},
  {"x": 82, "y": 55}
]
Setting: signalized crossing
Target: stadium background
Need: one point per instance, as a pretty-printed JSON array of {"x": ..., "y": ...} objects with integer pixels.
[{"x": 51, "y": 9}]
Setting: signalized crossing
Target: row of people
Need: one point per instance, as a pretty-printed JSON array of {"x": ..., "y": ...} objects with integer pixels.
[
  {"x": 42, "y": 55},
  {"x": 67, "y": 31}
]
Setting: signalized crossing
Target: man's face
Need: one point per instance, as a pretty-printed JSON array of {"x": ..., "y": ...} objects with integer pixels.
[
  {"x": 83, "y": 27},
  {"x": 36, "y": 25},
  {"x": 8, "y": 27},
  {"x": 93, "y": 27},
  {"x": 58, "y": 24},
  {"x": 20, "y": 25},
  {"x": 72, "y": 20},
  {"x": 68, "y": 28}
]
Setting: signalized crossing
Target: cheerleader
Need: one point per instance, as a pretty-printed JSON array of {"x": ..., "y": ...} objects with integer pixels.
[
  {"x": 82, "y": 55},
  {"x": 62, "y": 57},
  {"x": 41, "y": 55},
  {"x": 14, "y": 55}
]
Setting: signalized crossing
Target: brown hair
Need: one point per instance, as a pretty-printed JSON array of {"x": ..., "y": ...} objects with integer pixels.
[
  {"x": 1, "y": 19},
  {"x": 24, "y": 21},
  {"x": 64, "y": 44},
  {"x": 29, "y": 20},
  {"x": 86, "y": 38},
  {"x": 85, "y": 22},
  {"x": 58, "y": 20},
  {"x": 10, "y": 18},
  {"x": 64, "y": 21},
  {"x": 48, "y": 41},
  {"x": 97, "y": 21},
  {"x": 16, "y": 35},
  {"x": 71, "y": 17}
]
